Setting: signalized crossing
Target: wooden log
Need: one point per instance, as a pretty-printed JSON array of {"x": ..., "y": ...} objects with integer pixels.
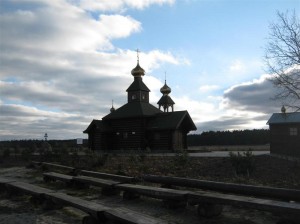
[
  {"x": 279, "y": 207},
  {"x": 52, "y": 176},
  {"x": 106, "y": 185},
  {"x": 68, "y": 169},
  {"x": 124, "y": 215},
  {"x": 100, "y": 213},
  {"x": 95, "y": 181},
  {"x": 3, "y": 185},
  {"x": 27, "y": 188},
  {"x": 154, "y": 192},
  {"x": 279, "y": 193},
  {"x": 4, "y": 181},
  {"x": 94, "y": 209},
  {"x": 18, "y": 188},
  {"x": 34, "y": 164},
  {"x": 122, "y": 179}
]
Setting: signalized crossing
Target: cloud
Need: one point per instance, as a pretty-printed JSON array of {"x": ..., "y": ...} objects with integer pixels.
[
  {"x": 63, "y": 27},
  {"x": 208, "y": 88},
  {"x": 23, "y": 122},
  {"x": 57, "y": 73},
  {"x": 119, "y": 5},
  {"x": 234, "y": 122},
  {"x": 252, "y": 96},
  {"x": 237, "y": 66},
  {"x": 246, "y": 105}
]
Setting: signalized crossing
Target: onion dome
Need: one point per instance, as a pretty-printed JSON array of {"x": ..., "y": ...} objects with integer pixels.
[
  {"x": 138, "y": 71},
  {"x": 112, "y": 109},
  {"x": 165, "y": 89},
  {"x": 283, "y": 110}
]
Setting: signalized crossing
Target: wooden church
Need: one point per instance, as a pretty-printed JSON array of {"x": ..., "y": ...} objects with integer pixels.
[{"x": 140, "y": 125}]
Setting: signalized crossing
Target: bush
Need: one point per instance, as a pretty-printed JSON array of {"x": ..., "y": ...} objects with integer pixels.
[
  {"x": 243, "y": 163},
  {"x": 181, "y": 158},
  {"x": 26, "y": 154},
  {"x": 6, "y": 153}
]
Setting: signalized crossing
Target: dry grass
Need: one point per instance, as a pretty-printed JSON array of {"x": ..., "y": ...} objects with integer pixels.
[{"x": 229, "y": 148}]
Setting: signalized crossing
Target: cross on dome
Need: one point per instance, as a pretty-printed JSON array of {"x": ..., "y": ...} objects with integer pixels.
[{"x": 137, "y": 54}]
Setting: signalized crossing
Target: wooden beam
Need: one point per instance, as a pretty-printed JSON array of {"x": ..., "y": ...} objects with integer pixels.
[
  {"x": 154, "y": 192},
  {"x": 123, "y": 179},
  {"x": 58, "y": 176},
  {"x": 60, "y": 167},
  {"x": 28, "y": 188},
  {"x": 89, "y": 207},
  {"x": 278, "y": 207},
  {"x": 280, "y": 193}
]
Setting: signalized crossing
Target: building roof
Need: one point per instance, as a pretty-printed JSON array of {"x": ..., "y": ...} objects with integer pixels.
[
  {"x": 172, "y": 120},
  {"x": 284, "y": 118},
  {"x": 137, "y": 85},
  {"x": 134, "y": 109},
  {"x": 165, "y": 100},
  {"x": 98, "y": 124}
]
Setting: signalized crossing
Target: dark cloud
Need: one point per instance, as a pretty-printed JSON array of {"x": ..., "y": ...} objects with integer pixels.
[
  {"x": 232, "y": 123},
  {"x": 256, "y": 96}
]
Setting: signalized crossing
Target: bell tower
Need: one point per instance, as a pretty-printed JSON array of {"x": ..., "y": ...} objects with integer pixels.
[
  {"x": 138, "y": 91},
  {"x": 166, "y": 101}
]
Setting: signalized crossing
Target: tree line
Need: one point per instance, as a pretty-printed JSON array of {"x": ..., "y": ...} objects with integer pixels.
[
  {"x": 237, "y": 137},
  {"x": 35, "y": 144}
]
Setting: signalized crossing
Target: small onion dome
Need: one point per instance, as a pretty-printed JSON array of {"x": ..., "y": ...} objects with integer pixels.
[
  {"x": 112, "y": 109},
  {"x": 283, "y": 110},
  {"x": 165, "y": 89},
  {"x": 138, "y": 71}
]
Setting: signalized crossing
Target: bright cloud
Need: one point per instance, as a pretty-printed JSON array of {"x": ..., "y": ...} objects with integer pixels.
[
  {"x": 119, "y": 5},
  {"x": 208, "y": 88},
  {"x": 237, "y": 66}
]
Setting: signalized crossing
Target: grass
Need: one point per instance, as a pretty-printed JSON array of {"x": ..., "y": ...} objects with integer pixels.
[{"x": 229, "y": 148}]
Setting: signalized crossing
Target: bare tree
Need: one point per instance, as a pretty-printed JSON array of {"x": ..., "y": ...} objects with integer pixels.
[{"x": 283, "y": 58}]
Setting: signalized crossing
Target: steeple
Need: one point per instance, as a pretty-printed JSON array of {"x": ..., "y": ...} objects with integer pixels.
[
  {"x": 112, "y": 109},
  {"x": 166, "y": 101},
  {"x": 138, "y": 71},
  {"x": 138, "y": 91}
]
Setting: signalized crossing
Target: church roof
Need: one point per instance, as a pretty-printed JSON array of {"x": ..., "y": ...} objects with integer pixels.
[
  {"x": 133, "y": 109},
  {"x": 284, "y": 118},
  {"x": 137, "y": 85},
  {"x": 138, "y": 71},
  {"x": 165, "y": 89},
  {"x": 98, "y": 124},
  {"x": 172, "y": 120},
  {"x": 165, "y": 100}
]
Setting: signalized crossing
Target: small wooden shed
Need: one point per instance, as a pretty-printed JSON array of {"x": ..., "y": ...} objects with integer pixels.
[{"x": 285, "y": 135}]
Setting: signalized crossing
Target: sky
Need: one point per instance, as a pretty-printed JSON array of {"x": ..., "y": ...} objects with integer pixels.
[{"x": 62, "y": 62}]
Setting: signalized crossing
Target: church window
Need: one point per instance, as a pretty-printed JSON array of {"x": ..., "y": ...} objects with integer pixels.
[
  {"x": 133, "y": 97},
  {"x": 293, "y": 131}
]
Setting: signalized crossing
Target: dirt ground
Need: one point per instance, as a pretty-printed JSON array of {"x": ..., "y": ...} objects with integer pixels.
[{"x": 268, "y": 171}]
